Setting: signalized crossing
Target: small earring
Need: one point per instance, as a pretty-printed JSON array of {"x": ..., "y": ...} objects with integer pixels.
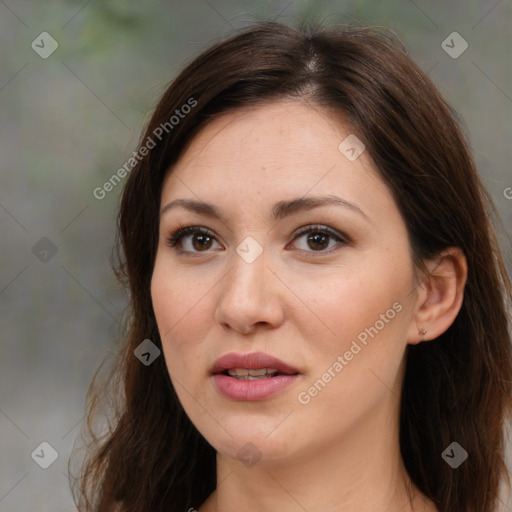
[{"x": 422, "y": 332}]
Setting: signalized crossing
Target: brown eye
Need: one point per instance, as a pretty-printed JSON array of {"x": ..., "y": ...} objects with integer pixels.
[
  {"x": 318, "y": 239},
  {"x": 201, "y": 239}
]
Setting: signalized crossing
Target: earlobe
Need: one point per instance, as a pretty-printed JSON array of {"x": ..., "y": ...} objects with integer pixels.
[
  {"x": 440, "y": 296},
  {"x": 422, "y": 333}
]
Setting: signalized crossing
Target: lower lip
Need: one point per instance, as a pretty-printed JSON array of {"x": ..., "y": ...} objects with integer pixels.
[{"x": 251, "y": 390}]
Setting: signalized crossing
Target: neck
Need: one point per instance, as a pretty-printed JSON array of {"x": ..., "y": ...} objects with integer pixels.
[{"x": 363, "y": 472}]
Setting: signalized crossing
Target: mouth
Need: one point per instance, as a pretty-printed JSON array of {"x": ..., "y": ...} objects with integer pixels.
[
  {"x": 251, "y": 365},
  {"x": 252, "y": 376},
  {"x": 257, "y": 374}
]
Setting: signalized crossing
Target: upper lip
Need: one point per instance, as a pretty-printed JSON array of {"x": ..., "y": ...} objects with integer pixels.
[{"x": 251, "y": 361}]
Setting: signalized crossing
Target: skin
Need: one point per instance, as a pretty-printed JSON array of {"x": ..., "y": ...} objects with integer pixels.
[{"x": 340, "y": 451}]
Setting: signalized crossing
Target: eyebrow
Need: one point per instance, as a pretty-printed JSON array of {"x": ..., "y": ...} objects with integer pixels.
[{"x": 280, "y": 210}]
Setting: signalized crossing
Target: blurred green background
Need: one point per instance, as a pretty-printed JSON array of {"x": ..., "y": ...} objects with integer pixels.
[{"x": 70, "y": 120}]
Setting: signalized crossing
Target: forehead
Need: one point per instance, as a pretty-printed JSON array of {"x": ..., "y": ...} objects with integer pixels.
[
  {"x": 275, "y": 151},
  {"x": 280, "y": 134}
]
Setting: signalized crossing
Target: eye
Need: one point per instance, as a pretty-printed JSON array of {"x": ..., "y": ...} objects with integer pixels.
[
  {"x": 318, "y": 238},
  {"x": 201, "y": 239}
]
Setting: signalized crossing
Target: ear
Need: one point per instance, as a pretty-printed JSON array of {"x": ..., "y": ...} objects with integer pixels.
[{"x": 439, "y": 295}]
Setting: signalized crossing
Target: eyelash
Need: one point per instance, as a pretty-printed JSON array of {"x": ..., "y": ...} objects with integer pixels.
[{"x": 183, "y": 230}]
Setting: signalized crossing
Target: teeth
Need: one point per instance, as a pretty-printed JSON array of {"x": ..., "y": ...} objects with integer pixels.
[
  {"x": 238, "y": 372},
  {"x": 247, "y": 374}
]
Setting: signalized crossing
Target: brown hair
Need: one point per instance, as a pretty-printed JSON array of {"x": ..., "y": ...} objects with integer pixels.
[{"x": 456, "y": 387}]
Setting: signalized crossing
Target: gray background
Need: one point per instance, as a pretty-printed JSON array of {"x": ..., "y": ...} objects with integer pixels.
[{"x": 69, "y": 121}]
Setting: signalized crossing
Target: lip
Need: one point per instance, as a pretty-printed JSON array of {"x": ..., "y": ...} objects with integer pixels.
[{"x": 252, "y": 390}]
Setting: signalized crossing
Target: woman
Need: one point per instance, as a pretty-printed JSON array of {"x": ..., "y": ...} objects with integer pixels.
[{"x": 318, "y": 302}]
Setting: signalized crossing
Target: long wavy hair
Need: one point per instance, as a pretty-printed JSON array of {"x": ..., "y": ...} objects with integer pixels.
[{"x": 151, "y": 458}]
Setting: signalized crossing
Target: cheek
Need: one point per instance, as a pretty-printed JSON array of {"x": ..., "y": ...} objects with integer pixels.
[
  {"x": 181, "y": 312},
  {"x": 176, "y": 302},
  {"x": 180, "y": 315},
  {"x": 351, "y": 372},
  {"x": 360, "y": 313}
]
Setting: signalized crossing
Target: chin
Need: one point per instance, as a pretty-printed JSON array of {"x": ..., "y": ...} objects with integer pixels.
[
  {"x": 256, "y": 450},
  {"x": 250, "y": 446}
]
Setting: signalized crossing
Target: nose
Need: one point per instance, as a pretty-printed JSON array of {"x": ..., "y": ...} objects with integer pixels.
[{"x": 250, "y": 296}]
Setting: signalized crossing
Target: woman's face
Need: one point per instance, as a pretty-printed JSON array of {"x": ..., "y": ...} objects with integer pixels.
[{"x": 328, "y": 290}]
